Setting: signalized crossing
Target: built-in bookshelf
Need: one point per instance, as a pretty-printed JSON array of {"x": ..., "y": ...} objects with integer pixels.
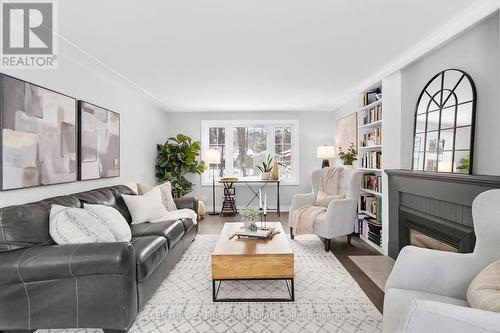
[{"x": 370, "y": 149}]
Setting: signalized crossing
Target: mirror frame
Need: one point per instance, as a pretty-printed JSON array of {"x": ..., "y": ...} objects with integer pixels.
[{"x": 472, "y": 123}]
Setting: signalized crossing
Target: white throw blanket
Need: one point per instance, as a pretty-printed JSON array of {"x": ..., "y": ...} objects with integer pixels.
[
  {"x": 179, "y": 214},
  {"x": 303, "y": 217}
]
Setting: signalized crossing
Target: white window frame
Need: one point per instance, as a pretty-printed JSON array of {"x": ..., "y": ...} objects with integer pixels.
[{"x": 268, "y": 124}]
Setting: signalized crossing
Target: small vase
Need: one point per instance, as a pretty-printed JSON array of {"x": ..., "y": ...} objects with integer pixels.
[
  {"x": 249, "y": 224},
  {"x": 276, "y": 170}
]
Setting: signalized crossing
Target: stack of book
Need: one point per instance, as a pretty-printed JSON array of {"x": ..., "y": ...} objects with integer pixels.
[
  {"x": 373, "y": 115},
  {"x": 371, "y": 160},
  {"x": 372, "y": 182},
  {"x": 375, "y": 231},
  {"x": 372, "y": 138},
  {"x": 258, "y": 234}
]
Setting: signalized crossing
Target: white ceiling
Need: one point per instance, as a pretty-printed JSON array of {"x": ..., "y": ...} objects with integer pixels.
[{"x": 234, "y": 55}]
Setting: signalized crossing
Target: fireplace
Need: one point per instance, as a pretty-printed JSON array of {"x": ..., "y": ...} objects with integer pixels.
[
  {"x": 425, "y": 230},
  {"x": 433, "y": 210}
]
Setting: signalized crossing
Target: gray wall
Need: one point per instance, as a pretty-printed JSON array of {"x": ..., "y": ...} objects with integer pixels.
[
  {"x": 143, "y": 123},
  {"x": 315, "y": 129},
  {"x": 475, "y": 51}
]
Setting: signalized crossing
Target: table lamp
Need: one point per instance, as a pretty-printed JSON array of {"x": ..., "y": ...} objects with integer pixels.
[
  {"x": 325, "y": 152},
  {"x": 212, "y": 158}
]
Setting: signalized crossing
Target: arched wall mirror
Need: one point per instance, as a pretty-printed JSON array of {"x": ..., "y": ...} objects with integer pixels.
[{"x": 444, "y": 124}]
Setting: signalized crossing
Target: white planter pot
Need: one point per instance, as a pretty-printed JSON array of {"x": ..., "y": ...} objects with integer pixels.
[
  {"x": 265, "y": 175},
  {"x": 248, "y": 224}
]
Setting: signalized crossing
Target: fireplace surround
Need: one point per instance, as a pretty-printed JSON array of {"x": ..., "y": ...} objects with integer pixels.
[{"x": 435, "y": 208}]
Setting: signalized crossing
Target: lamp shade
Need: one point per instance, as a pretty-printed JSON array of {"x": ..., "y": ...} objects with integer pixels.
[
  {"x": 212, "y": 156},
  {"x": 325, "y": 152}
]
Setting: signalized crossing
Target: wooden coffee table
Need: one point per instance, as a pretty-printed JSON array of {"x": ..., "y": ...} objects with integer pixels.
[{"x": 252, "y": 259}]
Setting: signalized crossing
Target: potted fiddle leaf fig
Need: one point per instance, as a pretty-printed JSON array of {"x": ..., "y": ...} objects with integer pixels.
[{"x": 176, "y": 158}]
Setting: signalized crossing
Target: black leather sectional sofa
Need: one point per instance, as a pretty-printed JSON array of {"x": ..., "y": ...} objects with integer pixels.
[{"x": 101, "y": 285}]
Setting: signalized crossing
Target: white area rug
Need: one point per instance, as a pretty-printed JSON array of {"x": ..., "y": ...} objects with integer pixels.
[{"x": 327, "y": 299}]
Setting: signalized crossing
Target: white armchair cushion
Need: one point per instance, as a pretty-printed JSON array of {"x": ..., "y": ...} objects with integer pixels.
[
  {"x": 437, "y": 317},
  {"x": 484, "y": 290},
  {"x": 398, "y": 302}
]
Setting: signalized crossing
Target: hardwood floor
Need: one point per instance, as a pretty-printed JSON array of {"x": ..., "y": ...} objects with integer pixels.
[{"x": 212, "y": 224}]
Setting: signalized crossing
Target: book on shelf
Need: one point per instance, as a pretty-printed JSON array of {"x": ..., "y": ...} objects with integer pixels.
[
  {"x": 371, "y": 159},
  {"x": 372, "y": 115},
  {"x": 372, "y": 205},
  {"x": 372, "y": 138},
  {"x": 371, "y": 96},
  {"x": 372, "y": 182}
]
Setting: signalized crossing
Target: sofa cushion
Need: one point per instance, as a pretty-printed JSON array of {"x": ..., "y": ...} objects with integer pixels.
[
  {"x": 28, "y": 225},
  {"x": 150, "y": 251},
  {"x": 188, "y": 223},
  {"x": 41, "y": 263},
  {"x": 172, "y": 230},
  {"x": 484, "y": 290},
  {"x": 397, "y": 302}
]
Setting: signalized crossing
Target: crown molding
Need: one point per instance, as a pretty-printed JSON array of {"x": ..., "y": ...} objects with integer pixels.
[{"x": 469, "y": 17}]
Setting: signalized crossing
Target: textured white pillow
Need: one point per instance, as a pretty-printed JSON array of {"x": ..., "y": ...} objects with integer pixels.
[
  {"x": 113, "y": 219},
  {"x": 147, "y": 207},
  {"x": 166, "y": 196},
  {"x": 77, "y": 225}
]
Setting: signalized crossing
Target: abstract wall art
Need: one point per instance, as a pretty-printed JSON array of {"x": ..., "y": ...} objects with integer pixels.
[
  {"x": 38, "y": 142},
  {"x": 346, "y": 132},
  {"x": 99, "y": 142}
]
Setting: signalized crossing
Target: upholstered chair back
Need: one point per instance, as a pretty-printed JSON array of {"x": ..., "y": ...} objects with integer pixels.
[
  {"x": 349, "y": 182},
  {"x": 486, "y": 216}
]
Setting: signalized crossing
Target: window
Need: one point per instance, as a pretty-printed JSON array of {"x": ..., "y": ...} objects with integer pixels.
[{"x": 244, "y": 145}]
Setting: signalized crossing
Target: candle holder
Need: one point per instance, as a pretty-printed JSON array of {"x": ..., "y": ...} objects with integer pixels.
[{"x": 263, "y": 220}]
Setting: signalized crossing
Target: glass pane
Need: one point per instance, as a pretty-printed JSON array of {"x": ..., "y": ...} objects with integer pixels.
[
  {"x": 464, "y": 114},
  {"x": 451, "y": 78},
  {"x": 445, "y": 161},
  {"x": 419, "y": 142},
  {"x": 422, "y": 105},
  {"x": 446, "y": 140},
  {"x": 432, "y": 141},
  {"x": 421, "y": 123},
  {"x": 448, "y": 118},
  {"x": 434, "y": 87},
  {"x": 249, "y": 150},
  {"x": 430, "y": 161},
  {"x": 461, "y": 163},
  {"x": 216, "y": 135},
  {"x": 221, "y": 135},
  {"x": 462, "y": 140},
  {"x": 432, "y": 121},
  {"x": 418, "y": 161},
  {"x": 451, "y": 99},
  {"x": 464, "y": 91}
]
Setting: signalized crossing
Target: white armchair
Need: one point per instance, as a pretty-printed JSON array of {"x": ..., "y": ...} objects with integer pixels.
[
  {"x": 426, "y": 291},
  {"x": 341, "y": 215}
]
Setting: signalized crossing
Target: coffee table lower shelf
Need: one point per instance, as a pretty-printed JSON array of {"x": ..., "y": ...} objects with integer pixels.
[{"x": 216, "y": 283}]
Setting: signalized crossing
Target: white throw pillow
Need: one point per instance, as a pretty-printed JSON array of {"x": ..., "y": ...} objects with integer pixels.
[
  {"x": 323, "y": 198},
  {"x": 147, "y": 207},
  {"x": 143, "y": 188},
  {"x": 166, "y": 196},
  {"x": 77, "y": 225},
  {"x": 113, "y": 219}
]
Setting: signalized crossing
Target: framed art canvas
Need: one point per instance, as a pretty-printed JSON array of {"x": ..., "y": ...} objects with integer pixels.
[
  {"x": 39, "y": 136},
  {"x": 346, "y": 132},
  {"x": 99, "y": 142}
]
